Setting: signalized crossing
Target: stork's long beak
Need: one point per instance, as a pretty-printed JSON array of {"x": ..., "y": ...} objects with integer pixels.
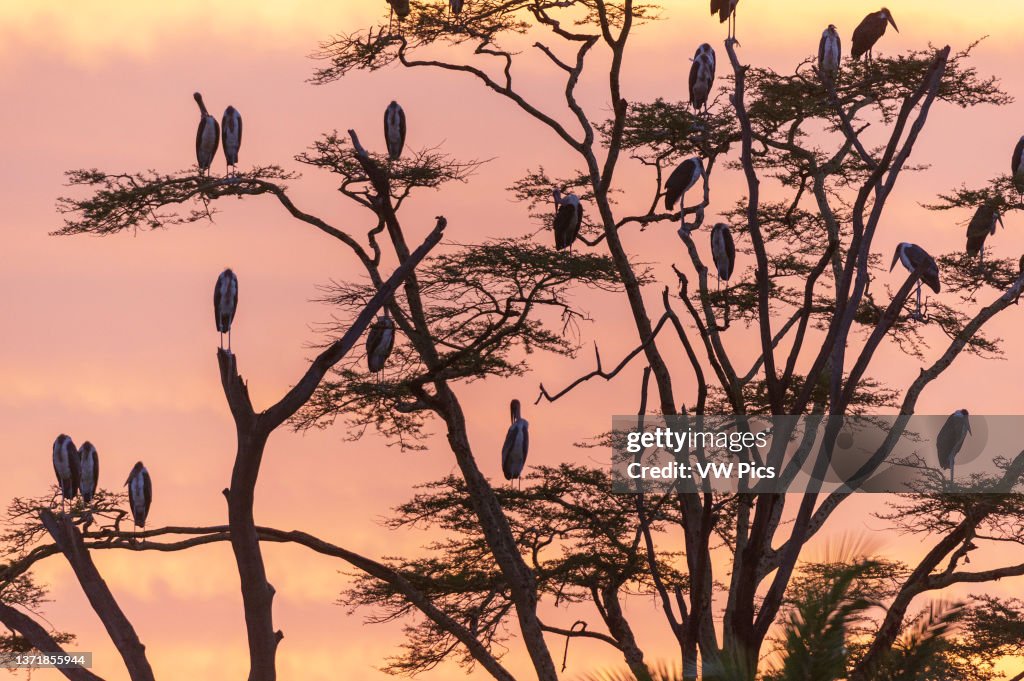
[
  {"x": 968, "y": 420},
  {"x": 999, "y": 217},
  {"x": 891, "y": 21},
  {"x": 895, "y": 258}
]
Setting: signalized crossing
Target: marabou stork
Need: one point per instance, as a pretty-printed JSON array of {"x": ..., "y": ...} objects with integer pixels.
[
  {"x": 67, "y": 467},
  {"x": 1017, "y": 166},
  {"x": 723, "y": 251},
  {"x": 830, "y": 53},
  {"x": 951, "y": 438},
  {"x": 231, "y": 136},
  {"x": 394, "y": 130},
  {"x": 981, "y": 226},
  {"x": 207, "y": 136},
  {"x": 568, "y": 219},
  {"x": 680, "y": 181},
  {"x": 140, "y": 494},
  {"x": 225, "y": 302},
  {"x": 726, "y": 9},
  {"x": 455, "y": 6},
  {"x": 869, "y": 31},
  {"x": 379, "y": 342},
  {"x": 399, "y": 7},
  {"x": 913, "y": 257},
  {"x": 89, "y": 465},
  {"x": 702, "y": 76},
  {"x": 517, "y": 445}
]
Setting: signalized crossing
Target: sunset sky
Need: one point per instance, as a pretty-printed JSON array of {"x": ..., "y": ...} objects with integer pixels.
[{"x": 111, "y": 339}]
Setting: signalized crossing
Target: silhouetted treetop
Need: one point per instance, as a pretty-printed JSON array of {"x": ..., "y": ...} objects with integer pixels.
[
  {"x": 151, "y": 199},
  {"x": 425, "y": 168},
  {"x": 482, "y": 23}
]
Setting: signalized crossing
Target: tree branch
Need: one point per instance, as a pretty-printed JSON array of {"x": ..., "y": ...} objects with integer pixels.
[
  {"x": 40, "y": 639},
  {"x": 599, "y": 372},
  {"x": 69, "y": 540}
]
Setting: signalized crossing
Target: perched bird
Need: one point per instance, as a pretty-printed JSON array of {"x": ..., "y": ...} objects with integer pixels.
[
  {"x": 912, "y": 257},
  {"x": 140, "y": 494},
  {"x": 1017, "y": 166},
  {"x": 981, "y": 226},
  {"x": 399, "y": 7},
  {"x": 394, "y": 130},
  {"x": 517, "y": 445},
  {"x": 951, "y": 438},
  {"x": 726, "y": 9},
  {"x": 568, "y": 219},
  {"x": 830, "y": 52},
  {"x": 680, "y": 181},
  {"x": 702, "y": 76},
  {"x": 231, "y": 135},
  {"x": 225, "y": 301},
  {"x": 869, "y": 31},
  {"x": 455, "y": 6},
  {"x": 89, "y": 465},
  {"x": 207, "y": 136},
  {"x": 379, "y": 342},
  {"x": 67, "y": 467},
  {"x": 723, "y": 251}
]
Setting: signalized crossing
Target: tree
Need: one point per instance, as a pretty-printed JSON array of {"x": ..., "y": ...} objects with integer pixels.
[{"x": 476, "y": 312}]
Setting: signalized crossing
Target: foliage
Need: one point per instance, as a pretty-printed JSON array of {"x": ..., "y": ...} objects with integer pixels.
[
  {"x": 485, "y": 306},
  {"x": 582, "y": 542}
]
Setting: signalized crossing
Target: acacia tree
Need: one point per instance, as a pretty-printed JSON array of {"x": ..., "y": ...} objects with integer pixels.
[
  {"x": 811, "y": 245},
  {"x": 474, "y": 312}
]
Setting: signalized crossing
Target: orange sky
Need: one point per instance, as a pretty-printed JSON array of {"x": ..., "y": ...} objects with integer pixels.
[{"x": 110, "y": 339}]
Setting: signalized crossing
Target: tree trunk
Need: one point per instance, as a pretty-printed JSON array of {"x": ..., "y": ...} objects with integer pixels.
[{"x": 257, "y": 593}]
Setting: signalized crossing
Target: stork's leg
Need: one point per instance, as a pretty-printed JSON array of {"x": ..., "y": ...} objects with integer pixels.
[
  {"x": 918, "y": 314},
  {"x": 229, "y": 336}
]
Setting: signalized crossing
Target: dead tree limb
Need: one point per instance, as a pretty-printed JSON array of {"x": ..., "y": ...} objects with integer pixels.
[{"x": 599, "y": 372}]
